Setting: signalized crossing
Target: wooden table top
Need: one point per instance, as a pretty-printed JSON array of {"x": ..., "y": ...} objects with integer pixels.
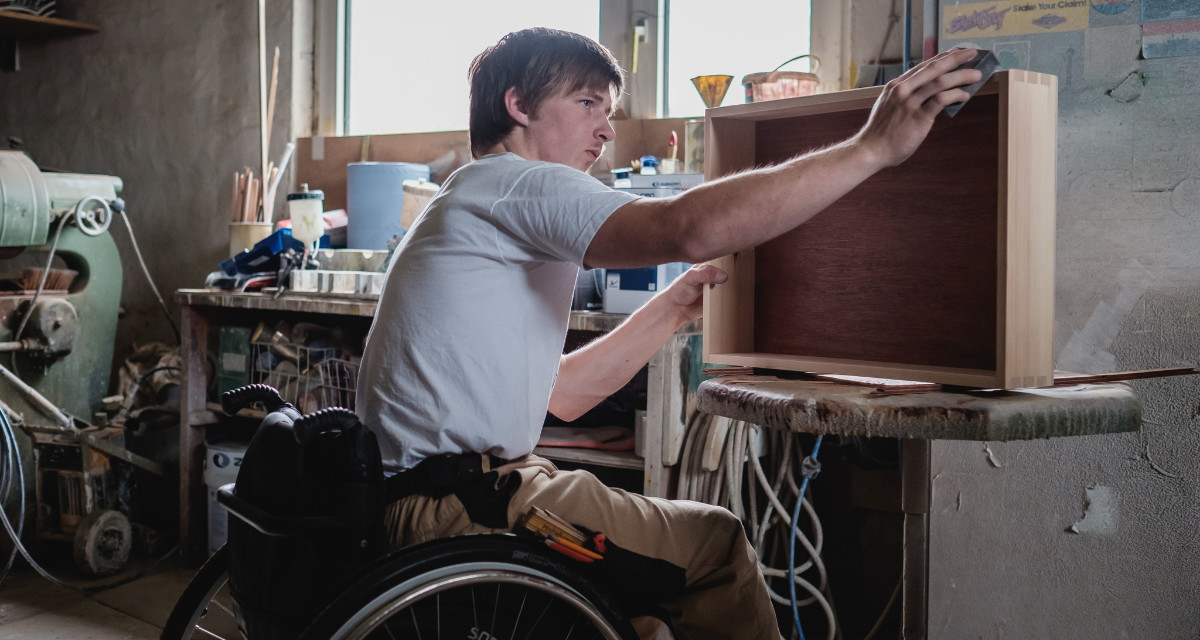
[{"x": 822, "y": 406}]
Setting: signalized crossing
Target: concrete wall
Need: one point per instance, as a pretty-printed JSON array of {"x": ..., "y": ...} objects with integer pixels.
[
  {"x": 1096, "y": 537},
  {"x": 1089, "y": 537},
  {"x": 165, "y": 97}
]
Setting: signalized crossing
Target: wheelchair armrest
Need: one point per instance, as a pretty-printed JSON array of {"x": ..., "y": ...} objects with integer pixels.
[{"x": 273, "y": 525}]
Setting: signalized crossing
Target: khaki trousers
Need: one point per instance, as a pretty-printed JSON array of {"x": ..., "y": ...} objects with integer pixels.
[{"x": 725, "y": 594}]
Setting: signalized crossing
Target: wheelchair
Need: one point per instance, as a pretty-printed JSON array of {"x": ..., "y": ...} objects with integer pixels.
[{"x": 304, "y": 557}]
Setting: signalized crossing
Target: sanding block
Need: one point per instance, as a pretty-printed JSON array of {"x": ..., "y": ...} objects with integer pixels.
[{"x": 987, "y": 63}]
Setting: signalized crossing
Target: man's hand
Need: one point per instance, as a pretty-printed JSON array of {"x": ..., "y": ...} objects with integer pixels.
[
  {"x": 687, "y": 291},
  {"x": 904, "y": 112}
]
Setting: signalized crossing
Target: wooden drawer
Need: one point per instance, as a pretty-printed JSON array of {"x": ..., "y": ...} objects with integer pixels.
[{"x": 938, "y": 270}]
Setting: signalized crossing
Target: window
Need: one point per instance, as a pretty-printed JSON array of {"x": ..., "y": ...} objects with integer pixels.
[
  {"x": 737, "y": 38},
  {"x": 406, "y": 70},
  {"x": 405, "y": 64}
]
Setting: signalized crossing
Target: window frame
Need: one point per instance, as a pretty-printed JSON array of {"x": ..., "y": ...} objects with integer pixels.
[{"x": 644, "y": 97}]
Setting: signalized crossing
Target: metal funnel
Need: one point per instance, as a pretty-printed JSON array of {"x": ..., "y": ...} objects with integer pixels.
[{"x": 712, "y": 89}]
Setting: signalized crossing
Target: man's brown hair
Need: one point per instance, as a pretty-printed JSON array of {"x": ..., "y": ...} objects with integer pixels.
[{"x": 538, "y": 62}]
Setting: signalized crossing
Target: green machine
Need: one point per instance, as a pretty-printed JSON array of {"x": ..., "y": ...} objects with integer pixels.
[
  {"x": 60, "y": 289},
  {"x": 65, "y": 348}
]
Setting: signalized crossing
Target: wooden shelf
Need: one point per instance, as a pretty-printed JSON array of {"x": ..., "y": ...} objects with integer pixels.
[
  {"x": 617, "y": 459},
  {"x": 22, "y": 26}
]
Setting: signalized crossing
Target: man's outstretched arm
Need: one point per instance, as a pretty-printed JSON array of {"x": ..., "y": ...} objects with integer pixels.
[
  {"x": 590, "y": 374},
  {"x": 744, "y": 210}
]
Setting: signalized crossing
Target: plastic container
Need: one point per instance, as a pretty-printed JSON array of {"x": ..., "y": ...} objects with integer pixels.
[
  {"x": 221, "y": 464},
  {"x": 417, "y": 194},
  {"x": 375, "y": 201},
  {"x": 305, "y": 208}
]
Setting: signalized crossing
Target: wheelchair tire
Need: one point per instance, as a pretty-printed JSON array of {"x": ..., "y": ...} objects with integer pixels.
[
  {"x": 205, "y": 610},
  {"x": 475, "y": 587}
]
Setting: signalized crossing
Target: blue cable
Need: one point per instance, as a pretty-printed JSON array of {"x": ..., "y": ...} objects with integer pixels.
[{"x": 809, "y": 468}]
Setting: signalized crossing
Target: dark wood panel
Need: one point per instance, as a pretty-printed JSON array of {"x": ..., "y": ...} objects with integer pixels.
[{"x": 892, "y": 272}]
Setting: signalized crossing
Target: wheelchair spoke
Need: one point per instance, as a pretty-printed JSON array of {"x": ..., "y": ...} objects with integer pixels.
[
  {"x": 517, "y": 618},
  {"x": 549, "y": 603},
  {"x": 495, "y": 607},
  {"x": 416, "y": 627},
  {"x": 208, "y": 633},
  {"x": 474, "y": 608}
]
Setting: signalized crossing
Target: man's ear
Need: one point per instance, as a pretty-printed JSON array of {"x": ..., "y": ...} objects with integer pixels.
[{"x": 515, "y": 107}]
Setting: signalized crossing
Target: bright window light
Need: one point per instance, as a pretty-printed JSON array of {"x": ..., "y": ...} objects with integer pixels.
[
  {"x": 716, "y": 37},
  {"x": 407, "y": 70}
]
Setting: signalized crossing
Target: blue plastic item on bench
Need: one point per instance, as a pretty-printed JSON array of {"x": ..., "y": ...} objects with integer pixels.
[{"x": 264, "y": 255}]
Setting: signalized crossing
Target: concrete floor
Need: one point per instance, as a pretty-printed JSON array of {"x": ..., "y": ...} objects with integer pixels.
[{"x": 33, "y": 608}]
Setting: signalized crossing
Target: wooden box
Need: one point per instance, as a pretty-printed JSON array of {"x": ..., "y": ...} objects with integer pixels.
[{"x": 938, "y": 270}]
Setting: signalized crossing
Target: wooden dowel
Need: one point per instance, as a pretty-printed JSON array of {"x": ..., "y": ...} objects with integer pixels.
[
  {"x": 271, "y": 103},
  {"x": 248, "y": 200}
]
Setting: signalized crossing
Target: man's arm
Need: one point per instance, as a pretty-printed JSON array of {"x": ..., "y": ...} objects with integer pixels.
[
  {"x": 590, "y": 374},
  {"x": 727, "y": 215}
]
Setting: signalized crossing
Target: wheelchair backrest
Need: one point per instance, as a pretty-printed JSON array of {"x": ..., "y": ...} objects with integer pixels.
[{"x": 321, "y": 467}]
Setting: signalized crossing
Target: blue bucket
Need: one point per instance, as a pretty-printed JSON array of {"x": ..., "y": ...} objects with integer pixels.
[{"x": 375, "y": 199}]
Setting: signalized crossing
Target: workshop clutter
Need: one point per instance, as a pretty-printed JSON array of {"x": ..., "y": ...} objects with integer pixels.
[{"x": 312, "y": 366}]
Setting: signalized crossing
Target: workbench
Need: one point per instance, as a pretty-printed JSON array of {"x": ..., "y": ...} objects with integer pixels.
[
  {"x": 202, "y": 311},
  {"x": 916, "y": 416}
]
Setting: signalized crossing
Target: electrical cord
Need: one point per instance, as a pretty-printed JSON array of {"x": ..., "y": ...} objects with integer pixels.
[
  {"x": 11, "y": 460},
  {"x": 118, "y": 205},
  {"x": 809, "y": 469},
  {"x": 721, "y": 477},
  {"x": 740, "y": 465}
]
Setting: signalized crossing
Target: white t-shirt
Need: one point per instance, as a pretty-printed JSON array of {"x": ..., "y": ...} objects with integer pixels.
[{"x": 465, "y": 345}]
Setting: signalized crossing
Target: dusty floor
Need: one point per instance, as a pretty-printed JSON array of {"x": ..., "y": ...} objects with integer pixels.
[{"x": 33, "y": 608}]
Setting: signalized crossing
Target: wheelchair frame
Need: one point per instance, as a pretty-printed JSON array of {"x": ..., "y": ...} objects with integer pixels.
[{"x": 475, "y": 587}]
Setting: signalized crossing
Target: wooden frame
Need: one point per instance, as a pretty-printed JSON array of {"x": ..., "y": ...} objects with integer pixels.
[{"x": 938, "y": 270}]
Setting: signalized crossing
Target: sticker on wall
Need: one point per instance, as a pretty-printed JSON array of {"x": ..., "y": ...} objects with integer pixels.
[
  {"x": 1111, "y": 7},
  {"x": 1012, "y": 55},
  {"x": 1169, "y": 10},
  {"x": 992, "y": 19},
  {"x": 1171, "y": 39},
  {"x": 1111, "y": 13}
]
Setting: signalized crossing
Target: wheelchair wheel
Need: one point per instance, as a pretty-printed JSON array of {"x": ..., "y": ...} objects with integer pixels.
[
  {"x": 478, "y": 587},
  {"x": 205, "y": 610}
]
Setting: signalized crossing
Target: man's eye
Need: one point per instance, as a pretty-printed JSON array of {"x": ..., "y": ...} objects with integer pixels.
[{"x": 586, "y": 103}]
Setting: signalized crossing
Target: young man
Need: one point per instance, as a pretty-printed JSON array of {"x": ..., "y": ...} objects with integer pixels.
[{"x": 465, "y": 355}]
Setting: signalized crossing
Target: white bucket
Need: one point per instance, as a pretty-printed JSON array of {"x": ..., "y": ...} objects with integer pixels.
[{"x": 221, "y": 464}]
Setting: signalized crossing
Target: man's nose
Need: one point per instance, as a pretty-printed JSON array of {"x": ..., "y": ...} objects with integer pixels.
[{"x": 607, "y": 133}]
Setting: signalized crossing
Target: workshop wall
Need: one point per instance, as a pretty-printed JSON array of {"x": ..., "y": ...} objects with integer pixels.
[
  {"x": 1094, "y": 537},
  {"x": 165, "y": 97}
]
